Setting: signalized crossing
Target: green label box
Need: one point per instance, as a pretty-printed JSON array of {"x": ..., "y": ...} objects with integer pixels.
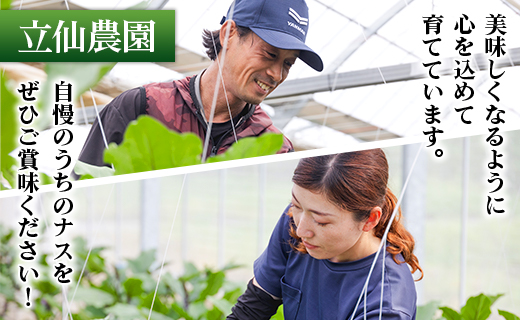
[{"x": 87, "y": 35}]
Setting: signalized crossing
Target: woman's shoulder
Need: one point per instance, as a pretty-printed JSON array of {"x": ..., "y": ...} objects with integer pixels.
[{"x": 400, "y": 285}]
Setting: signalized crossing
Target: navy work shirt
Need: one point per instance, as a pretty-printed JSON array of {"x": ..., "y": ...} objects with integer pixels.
[{"x": 321, "y": 289}]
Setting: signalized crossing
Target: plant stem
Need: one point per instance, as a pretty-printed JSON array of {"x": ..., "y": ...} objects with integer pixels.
[{"x": 186, "y": 296}]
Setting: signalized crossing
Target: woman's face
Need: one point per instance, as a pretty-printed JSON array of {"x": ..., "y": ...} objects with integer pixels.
[{"x": 328, "y": 232}]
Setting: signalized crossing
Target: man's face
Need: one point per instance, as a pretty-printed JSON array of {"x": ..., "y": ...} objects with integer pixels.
[{"x": 253, "y": 68}]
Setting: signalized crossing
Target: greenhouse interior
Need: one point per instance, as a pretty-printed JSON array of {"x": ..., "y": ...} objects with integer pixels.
[{"x": 163, "y": 231}]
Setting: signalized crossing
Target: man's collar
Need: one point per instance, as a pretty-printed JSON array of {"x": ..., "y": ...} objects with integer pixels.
[
  {"x": 198, "y": 96},
  {"x": 249, "y": 107}
]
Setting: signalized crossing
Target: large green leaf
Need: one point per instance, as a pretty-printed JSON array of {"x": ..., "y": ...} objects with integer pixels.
[
  {"x": 88, "y": 171},
  {"x": 450, "y": 314},
  {"x": 9, "y": 130},
  {"x": 5, "y": 4},
  {"x": 427, "y": 311},
  {"x": 477, "y": 308},
  {"x": 149, "y": 145},
  {"x": 508, "y": 315},
  {"x": 82, "y": 76},
  {"x": 94, "y": 297},
  {"x": 266, "y": 144}
]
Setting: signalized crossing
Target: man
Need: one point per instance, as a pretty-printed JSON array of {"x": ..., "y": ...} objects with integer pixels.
[{"x": 262, "y": 39}]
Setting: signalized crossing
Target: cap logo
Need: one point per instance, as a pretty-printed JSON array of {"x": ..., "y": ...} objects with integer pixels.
[{"x": 296, "y": 16}]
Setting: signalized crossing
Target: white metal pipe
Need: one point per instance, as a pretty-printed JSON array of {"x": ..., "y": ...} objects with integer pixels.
[
  {"x": 262, "y": 172},
  {"x": 150, "y": 204},
  {"x": 119, "y": 221},
  {"x": 221, "y": 217},
  {"x": 184, "y": 223},
  {"x": 464, "y": 219}
]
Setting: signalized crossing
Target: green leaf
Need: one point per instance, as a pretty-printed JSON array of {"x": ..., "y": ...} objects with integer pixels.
[
  {"x": 190, "y": 272},
  {"x": 197, "y": 309},
  {"x": 46, "y": 286},
  {"x": 266, "y": 144},
  {"x": 6, "y": 287},
  {"x": 94, "y": 297},
  {"x": 88, "y": 171},
  {"x": 181, "y": 312},
  {"x": 155, "y": 315},
  {"x": 45, "y": 179},
  {"x": 172, "y": 284},
  {"x": 149, "y": 283},
  {"x": 158, "y": 305},
  {"x": 222, "y": 305},
  {"x": 214, "y": 283},
  {"x": 143, "y": 262},
  {"x": 96, "y": 263},
  {"x": 95, "y": 313},
  {"x": 213, "y": 314},
  {"x": 149, "y": 145},
  {"x": 133, "y": 287},
  {"x": 82, "y": 76},
  {"x": 5, "y": 5},
  {"x": 450, "y": 314},
  {"x": 427, "y": 311},
  {"x": 508, "y": 315},
  {"x": 477, "y": 308},
  {"x": 232, "y": 295},
  {"x": 9, "y": 130},
  {"x": 125, "y": 312},
  {"x": 495, "y": 298},
  {"x": 279, "y": 314}
]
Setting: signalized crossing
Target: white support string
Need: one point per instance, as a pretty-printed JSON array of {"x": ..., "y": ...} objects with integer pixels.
[
  {"x": 83, "y": 109},
  {"x": 117, "y": 4},
  {"x": 167, "y": 246},
  {"x": 208, "y": 8},
  {"x": 382, "y": 283},
  {"x": 99, "y": 119},
  {"x": 224, "y": 86},
  {"x": 503, "y": 255},
  {"x": 55, "y": 249},
  {"x": 383, "y": 239},
  {"x": 377, "y": 133},
  {"x": 21, "y": 2},
  {"x": 215, "y": 94},
  {"x": 92, "y": 245},
  {"x": 67, "y": 4}
]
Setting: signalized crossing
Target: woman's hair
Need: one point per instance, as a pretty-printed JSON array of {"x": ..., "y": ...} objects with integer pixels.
[
  {"x": 211, "y": 40},
  {"x": 357, "y": 182}
]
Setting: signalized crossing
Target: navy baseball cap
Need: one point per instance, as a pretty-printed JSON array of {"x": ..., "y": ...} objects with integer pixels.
[{"x": 281, "y": 23}]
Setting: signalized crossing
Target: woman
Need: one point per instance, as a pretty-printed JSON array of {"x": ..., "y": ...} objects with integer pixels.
[{"x": 322, "y": 249}]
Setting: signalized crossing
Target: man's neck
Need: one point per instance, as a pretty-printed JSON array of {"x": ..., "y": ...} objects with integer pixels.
[{"x": 207, "y": 92}]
